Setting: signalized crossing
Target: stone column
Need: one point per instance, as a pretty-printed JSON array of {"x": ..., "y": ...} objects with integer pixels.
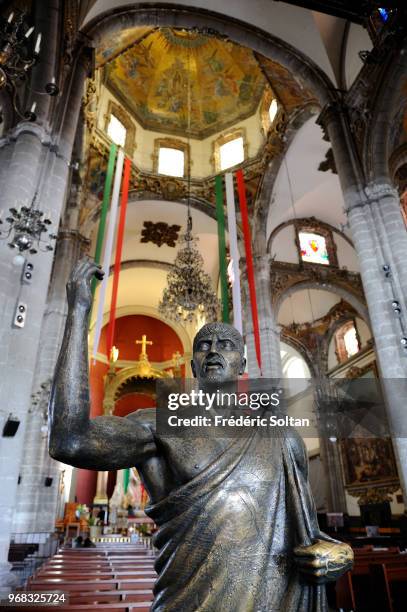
[
  {"x": 37, "y": 503},
  {"x": 20, "y": 345},
  {"x": 269, "y": 333},
  {"x": 380, "y": 240}
]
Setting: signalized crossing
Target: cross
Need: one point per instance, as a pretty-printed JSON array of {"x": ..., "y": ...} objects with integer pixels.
[{"x": 143, "y": 343}]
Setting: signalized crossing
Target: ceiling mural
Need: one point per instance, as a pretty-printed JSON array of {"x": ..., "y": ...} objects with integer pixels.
[{"x": 161, "y": 74}]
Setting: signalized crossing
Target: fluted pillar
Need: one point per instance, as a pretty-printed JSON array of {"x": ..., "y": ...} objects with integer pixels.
[
  {"x": 380, "y": 240},
  {"x": 32, "y": 150},
  {"x": 269, "y": 333}
]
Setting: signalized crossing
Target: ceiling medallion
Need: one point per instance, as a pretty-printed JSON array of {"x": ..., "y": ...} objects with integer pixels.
[
  {"x": 160, "y": 233},
  {"x": 189, "y": 295}
]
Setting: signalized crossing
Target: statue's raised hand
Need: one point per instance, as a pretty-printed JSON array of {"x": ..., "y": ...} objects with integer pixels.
[{"x": 78, "y": 288}]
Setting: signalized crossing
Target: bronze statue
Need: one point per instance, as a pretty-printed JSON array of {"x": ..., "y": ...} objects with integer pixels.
[{"x": 237, "y": 525}]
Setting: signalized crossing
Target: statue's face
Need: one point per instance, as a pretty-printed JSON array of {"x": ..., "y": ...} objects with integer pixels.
[{"x": 218, "y": 354}]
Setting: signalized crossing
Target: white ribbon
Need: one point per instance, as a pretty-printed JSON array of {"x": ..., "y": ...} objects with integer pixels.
[
  {"x": 234, "y": 252},
  {"x": 107, "y": 256}
]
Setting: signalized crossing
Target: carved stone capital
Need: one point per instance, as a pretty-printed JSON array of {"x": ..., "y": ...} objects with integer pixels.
[{"x": 378, "y": 191}]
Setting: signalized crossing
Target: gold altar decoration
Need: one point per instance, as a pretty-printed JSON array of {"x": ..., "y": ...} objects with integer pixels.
[{"x": 137, "y": 378}]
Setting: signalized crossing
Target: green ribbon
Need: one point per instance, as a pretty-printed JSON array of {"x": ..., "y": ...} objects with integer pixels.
[
  {"x": 126, "y": 479},
  {"x": 105, "y": 206},
  {"x": 220, "y": 214}
]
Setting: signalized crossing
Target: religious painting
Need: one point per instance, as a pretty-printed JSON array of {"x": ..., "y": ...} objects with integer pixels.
[
  {"x": 183, "y": 80},
  {"x": 368, "y": 460},
  {"x": 113, "y": 45}
]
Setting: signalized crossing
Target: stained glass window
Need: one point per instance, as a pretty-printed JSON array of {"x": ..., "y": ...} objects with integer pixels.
[
  {"x": 117, "y": 131},
  {"x": 171, "y": 161},
  {"x": 313, "y": 248}
]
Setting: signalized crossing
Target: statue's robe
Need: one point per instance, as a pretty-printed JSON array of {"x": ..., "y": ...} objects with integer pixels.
[{"x": 226, "y": 537}]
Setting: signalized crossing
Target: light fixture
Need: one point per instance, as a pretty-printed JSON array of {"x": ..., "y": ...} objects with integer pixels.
[
  {"x": 16, "y": 60},
  {"x": 26, "y": 227},
  {"x": 189, "y": 295},
  {"x": 11, "y": 426}
]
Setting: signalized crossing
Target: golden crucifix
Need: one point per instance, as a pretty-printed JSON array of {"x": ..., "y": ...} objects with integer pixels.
[{"x": 143, "y": 343}]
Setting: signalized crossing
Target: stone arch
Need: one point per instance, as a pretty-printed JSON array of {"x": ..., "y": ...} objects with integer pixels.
[
  {"x": 219, "y": 24},
  {"x": 349, "y": 297},
  {"x": 323, "y": 224}
]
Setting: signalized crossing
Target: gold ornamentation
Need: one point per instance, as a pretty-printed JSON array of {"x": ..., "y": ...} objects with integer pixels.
[{"x": 374, "y": 494}]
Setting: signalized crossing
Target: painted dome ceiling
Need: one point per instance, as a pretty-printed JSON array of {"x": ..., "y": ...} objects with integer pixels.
[{"x": 158, "y": 75}]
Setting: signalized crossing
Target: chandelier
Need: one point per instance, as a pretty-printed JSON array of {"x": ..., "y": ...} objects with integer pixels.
[
  {"x": 26, "y": 227},
  {"x": 189, "y": 292},
  {"x": 189, "y": 295},
  {"x": 16, "y": 60}
]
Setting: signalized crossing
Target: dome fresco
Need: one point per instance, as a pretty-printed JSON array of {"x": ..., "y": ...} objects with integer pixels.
[{"x": 164, "y": 72}]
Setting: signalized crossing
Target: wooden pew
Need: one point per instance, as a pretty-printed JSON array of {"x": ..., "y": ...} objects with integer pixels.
[
  {"x": 90, "y": 585},
  {"x": 382, "y": 576}
]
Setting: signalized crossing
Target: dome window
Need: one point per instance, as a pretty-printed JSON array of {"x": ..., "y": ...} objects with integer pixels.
[
  {"x": 171, "y": 162},
  {"x": 231, "y": 153},
  {"x": 117, "y": 131}
]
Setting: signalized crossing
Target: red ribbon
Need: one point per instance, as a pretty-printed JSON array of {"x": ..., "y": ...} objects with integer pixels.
[
  {"x": 249, "y": 262},
  {"x": 119, "y": 247}
]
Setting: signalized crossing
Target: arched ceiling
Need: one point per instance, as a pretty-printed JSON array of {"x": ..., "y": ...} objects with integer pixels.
[
  {"x": 181, "y": 82},
  {"x": 159, "y": 74},
  {"x": 302, "y": 190}
]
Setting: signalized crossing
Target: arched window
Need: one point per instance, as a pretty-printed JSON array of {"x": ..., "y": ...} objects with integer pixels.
[{"x": 347, "y": 341}]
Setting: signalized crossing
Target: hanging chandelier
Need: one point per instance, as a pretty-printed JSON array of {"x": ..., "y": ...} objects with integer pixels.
[
  {"x": 189, "y": 294},
  {"x": 16, "y": 60},
  {"x": 26, "y": 227}
]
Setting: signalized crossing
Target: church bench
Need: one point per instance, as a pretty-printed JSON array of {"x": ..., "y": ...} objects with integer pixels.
[
  {"x": 149, "y": 573},
  {"x": 90, "y": 584},
  {"x": 347, "y": 589},
  {"x": 382, "y": 576},
  {"x": 111, "y": 596},
  {"x": 122, "y": 606},
  {"x": 98, "y": 567}
]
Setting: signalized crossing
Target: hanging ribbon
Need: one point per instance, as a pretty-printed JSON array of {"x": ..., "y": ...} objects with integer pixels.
[
  {"x": 234, "y": 252},
  {"x": 108, "y": 248},
  {"x": 119, "y": 247},
  {"x": 249, "y": 262},
  {"x": 222, "y": 248},
  {"x": 126, "y": 479},
  {"x": 105, "y": 207}
]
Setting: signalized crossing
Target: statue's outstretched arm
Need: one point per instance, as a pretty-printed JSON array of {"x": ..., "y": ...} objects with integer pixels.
[{"x": 102, "y": 443}]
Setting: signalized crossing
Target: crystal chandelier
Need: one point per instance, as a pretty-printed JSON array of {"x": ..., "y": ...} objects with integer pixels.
[
  {"x": 26, "y": 227},
  {"x": 189, "y": 295},
  {"x": 16, "y": 60},
  {"x": 189, "y": 292}
]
